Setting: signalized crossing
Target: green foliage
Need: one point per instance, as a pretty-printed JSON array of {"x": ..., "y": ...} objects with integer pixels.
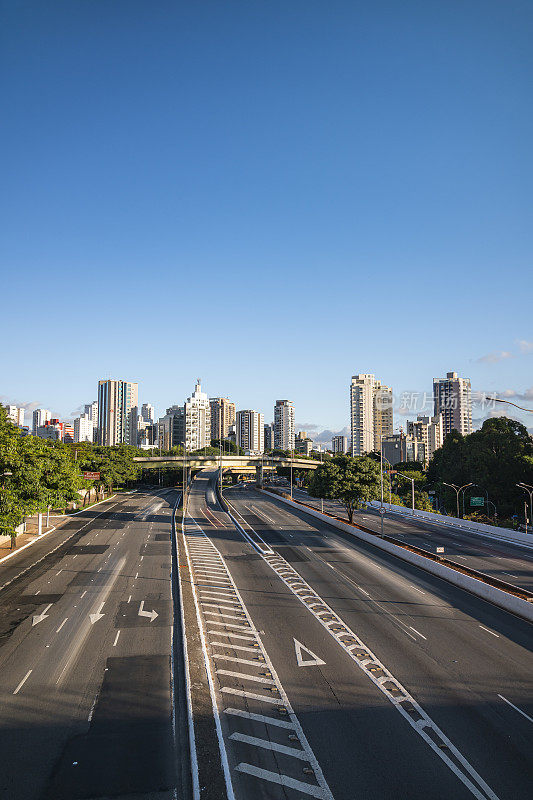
[{"x": 353, "y": 481}]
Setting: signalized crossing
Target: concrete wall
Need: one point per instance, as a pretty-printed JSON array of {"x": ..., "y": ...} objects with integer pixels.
[
  {"x": 496, "y": 596},
  {"x": 506, "y": 534}
]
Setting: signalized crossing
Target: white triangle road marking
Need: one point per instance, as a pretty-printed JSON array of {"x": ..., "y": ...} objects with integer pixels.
[{"x": 306, "y": 662}]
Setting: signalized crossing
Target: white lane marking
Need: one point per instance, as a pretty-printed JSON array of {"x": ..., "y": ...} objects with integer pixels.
[
  {"x": 247, "y": 637},
  {"x": 136, "y": 576},
  {"x": 306, "y": 662},
  {"x": 281, "y": 780},
  {"x": 61, "y": 624},
  {"x": 97, "y": 614},
  {"x": 38, "y": 592},
  {"x": 73, "y": 557},
  {"x": 242, "y": 676},
  {"x": 116, "y": 639},
  {"x": 59, "y": 573},
  {"x": 417, "y": 590},
  {"x": 225, "y": 594},
  {"x": 497, "y": 635},
  {"x": 420, "y": 634},
  {"x": 251, "y": 695},
  {"x": 516, "y": 708},
  {"x": 140, "y": 562},
  {"x": 42, "y": 616},
  {"x": 23, "y": 681},
  {"x": 129, "y": 598},
  {"x": 364, "y": 592},
  {"x": 220, "y": 604},
  {"x": 266, "y": 744},
  {"x": 248, "y": 661},
  {"x": 279, "y": 723},
  {"x": 220, "y": 614},
  {"x": 83, "y": 595},
  {"x": 142, "y": 613},
  {"x": 232, "y": 625}
]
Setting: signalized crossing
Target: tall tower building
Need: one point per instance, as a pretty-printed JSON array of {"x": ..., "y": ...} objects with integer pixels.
[
  {"x": 250, "y": 431},
  {"x": 148, "y": 413},
  {"x": 117, "y": 412},
  {"x": 222, "y": 417},
  {"x": 370, "y": 413},
  {"x": 284, "y": 425},
  {"x": 39, "y": 418},
  {"x": 192, "y": 421},
  {"x": 452, "y": 398},
  {"x": 16, "y": 415},
  {"x": 269, "y": 436}
]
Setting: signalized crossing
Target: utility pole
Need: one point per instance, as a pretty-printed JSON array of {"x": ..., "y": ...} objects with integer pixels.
[
  {"x": 458, "y": 489},
  {"x": 529, "y": 490}
]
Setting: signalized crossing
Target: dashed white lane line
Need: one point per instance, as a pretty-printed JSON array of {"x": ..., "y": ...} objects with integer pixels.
[
  {"x": 116, "y": 639},
  {"x": 281, "y": 780},
  {"x": 129, "y": 598},
  {"x": 23, "y": 681},
  {"x": 59, "y": 573},
  {"x": 420, "y": 634},
  {"x": 61, "y": 624},
  {"x": 497, "y": 635},
  {"x": 136, "y": 576},
  {"x": 516, "y": 708},
  {"x": 83, "y": 595}
]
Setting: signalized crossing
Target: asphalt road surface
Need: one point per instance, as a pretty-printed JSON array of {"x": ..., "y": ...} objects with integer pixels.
[
  {"x": 339, "y": 671},
  {"x": 504, "y": 560},
  {"x": 85, "y": 658}
]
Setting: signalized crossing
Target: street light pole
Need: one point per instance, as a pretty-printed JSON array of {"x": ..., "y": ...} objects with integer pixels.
[
  {"x": 529, "y": 489},
  {"x": 292, "y": 455},
  {"x": 458, "y": 489},
  {"x": 412, "y": 489}
]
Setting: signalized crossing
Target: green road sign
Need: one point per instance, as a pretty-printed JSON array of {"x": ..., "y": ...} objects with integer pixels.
[{"x": 477, "y": 501}]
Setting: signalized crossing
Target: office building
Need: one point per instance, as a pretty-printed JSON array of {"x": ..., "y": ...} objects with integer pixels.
[
  {"x": 269, "y": 436},
  {"x": 339, "y": 444},
  {"x": 117, "y": 412},
  {"x": 68, "y": 432},
  {"x": 284, "y": 425},
  {"x": 428, "y": 432},
  {"x": 302, "y": 444},
  {"x": 250, "y": 431},
  {"x": 83, "y": 429},
  {"x": 39, "y": 417},
  {"x": 222, "y": 417},
  {"x": 452, "y": 398},
  {"x": 16, "y": 415},
  {"x": 52, "y": 429},
  {"x": 370, "y": 413},
  {"x": 398, "y": 447},
  {"x": 148, "y": 413}
]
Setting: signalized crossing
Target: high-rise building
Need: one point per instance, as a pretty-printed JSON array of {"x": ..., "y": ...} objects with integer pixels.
[
  {"x": 398, "y": 447},
  {"x": 452, "y": 397},
  {"x": 52, "y": 429},
  {"x": 428, "y": 431},
  {"x": 83, "y": 429},
  {"x": 339, "y": 444},
  {"x": 16, "y": 415},
  {"x": 39, "y": 418},
  {"x": 68, "y": 432},
  {"x": 148, "y": 413},
  {"x": 117, "y": 412},
  {"x": 250, "y": 431},
  {"x": 192, "y": 421},
  {"x": 303, "y": 444},
  {"x": 222, "y": 417},
  {"x": 269, "y": 436},
  {"x": 284, "y": 425},
  {"x": 370, "y": 413}
]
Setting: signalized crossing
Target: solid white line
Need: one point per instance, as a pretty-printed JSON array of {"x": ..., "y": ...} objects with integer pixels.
[
  {"x": 242, "y": 676},
  {"x": 83, "y": 595},
  {"x": 61, "y": 624},
  {"x": 129, "y": 598},
  {"x": 220, "y": 604},
  {"x": 233, "y": 635},
  {"x": 116, "y": 639},
  {"x": 252, "y": 696},
  {"x": 281, "y": 780},
  {"x": 59, "y": 573},
  {"x": 236, "y": 647},
  {"x": 220, "y": 614},
  {"x": 516, "y": 708},
  {"x": 23, "y": 681},
  {"x": 497, "y": 635},
  {"x": 232, "y": 625},
  {"x": 420, "y": 634},
  {"x": 279, "y": 723},
  {"x": 266, "y": 744},
  {"x": 247, "y": 661},
  {"x": 136, "y": 576},
  {"x": 225, "y": 594}
]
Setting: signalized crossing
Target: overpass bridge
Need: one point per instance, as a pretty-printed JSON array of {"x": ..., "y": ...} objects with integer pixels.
[{"x": 231, "y": 463}]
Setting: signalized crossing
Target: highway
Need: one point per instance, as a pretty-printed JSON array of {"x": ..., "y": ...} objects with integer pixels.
[
  {"x": 338, "y": 671},
  {"x": 85, "y": 657},
  {"x": 507, "y": 561}
]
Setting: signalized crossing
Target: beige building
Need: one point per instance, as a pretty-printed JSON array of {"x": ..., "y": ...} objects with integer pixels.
[
  {"x": 222, "y": 417},
  {"x": 302, "y": 444},
  {"x": 250, "y": 431},
  {"x": 117, "y": 412},
  {"x": 284, "y": 425},
  {"x": 452, "y": 397},
  {"x": 428, "y": 432},
  {"x": 371, "y": 414},
  {"x": 16, "y": 415},
  {"x": 339, "y": 444}
]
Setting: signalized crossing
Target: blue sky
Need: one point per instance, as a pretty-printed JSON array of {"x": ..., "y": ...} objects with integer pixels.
[{"x": 270, "y": 195}]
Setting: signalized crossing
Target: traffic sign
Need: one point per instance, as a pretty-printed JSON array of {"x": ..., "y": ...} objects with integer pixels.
[
  {"x": 382, "y": 510},
  {"x": 91, "y": 476},
  {"x": 477, "y": 501}
]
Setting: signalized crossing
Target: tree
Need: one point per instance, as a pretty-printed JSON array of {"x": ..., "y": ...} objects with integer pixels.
[{"x": 352, "y": 481}]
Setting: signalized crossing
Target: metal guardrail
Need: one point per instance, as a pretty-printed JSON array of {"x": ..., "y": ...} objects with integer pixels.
[{"x": 516, "y": 591}]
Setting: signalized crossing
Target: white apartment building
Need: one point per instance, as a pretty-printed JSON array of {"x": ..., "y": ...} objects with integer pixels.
[
  {"x": 284, "y": 425},
  {"x": 39, "y": 418},
  {"x": 16, "y": 415},
  {"x": 428, "y": 432},
  {"x": 250, "y": 431},
  {"x": 117, "y": 412},
  {"x": 194, "y": 420},
  {"x": 83, "y": 429},
  {"x": 452, "y": 398},
  {"x": 370, "y": 413},
  {"x": 222, "y": 417},
  {"x": 339, "y": 444},
  {"x": 148, "y": 413}
]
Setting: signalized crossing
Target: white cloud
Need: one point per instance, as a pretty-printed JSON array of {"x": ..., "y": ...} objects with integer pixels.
[
  {"x": 525, "y": 346},
  {"x": 494, "y": 357}
]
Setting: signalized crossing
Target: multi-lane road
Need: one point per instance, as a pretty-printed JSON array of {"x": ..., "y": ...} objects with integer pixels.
[
  {"x": 85, "y": 657},
  {"x": 505, "y": 560},
  {"x": 312, "y": 665},
  {"x": 338, "y": 671}
]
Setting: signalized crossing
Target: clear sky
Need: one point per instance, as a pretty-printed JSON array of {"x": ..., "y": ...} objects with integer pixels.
[{"x": 269, "y": 194}]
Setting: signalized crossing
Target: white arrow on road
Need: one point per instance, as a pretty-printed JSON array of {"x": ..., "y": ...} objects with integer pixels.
[
  {"x": 95, "y": 617},
  {"x": 151, "y": 614},
  {"x": 39, "y": 617},
  {"x": 306, "y": 662}
]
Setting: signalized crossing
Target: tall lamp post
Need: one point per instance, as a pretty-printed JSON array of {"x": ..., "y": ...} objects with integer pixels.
[
  {"x": 458, "y": 490},
  {"x": 529, "y": 490},
  {"x": 412, "y": 488}
]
